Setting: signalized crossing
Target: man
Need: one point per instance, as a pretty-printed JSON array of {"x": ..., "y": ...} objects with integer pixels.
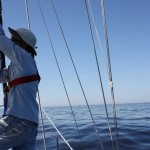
[{"x": 18, "y": 129}]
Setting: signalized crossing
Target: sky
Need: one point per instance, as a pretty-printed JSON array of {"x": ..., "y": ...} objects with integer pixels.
[{"x": 128, "y": 27}]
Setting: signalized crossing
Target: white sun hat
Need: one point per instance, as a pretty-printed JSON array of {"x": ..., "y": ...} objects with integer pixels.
[{"x": 26, "y": 35}]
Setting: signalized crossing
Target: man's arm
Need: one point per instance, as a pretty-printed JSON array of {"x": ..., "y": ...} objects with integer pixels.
[{"x": 8, "y": 47}]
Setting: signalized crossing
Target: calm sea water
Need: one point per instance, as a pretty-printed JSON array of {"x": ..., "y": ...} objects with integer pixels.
[{"x": 133, "y": 126}]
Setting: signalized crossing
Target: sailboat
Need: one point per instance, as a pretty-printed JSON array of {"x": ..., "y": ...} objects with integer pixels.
[{"x": 77, "y": 75}]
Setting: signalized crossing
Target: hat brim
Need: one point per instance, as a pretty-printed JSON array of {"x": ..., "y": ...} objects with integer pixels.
[{"x": 14, "y": 33}]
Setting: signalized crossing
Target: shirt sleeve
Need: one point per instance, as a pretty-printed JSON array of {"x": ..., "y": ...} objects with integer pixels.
[
  {"x": 8, "y": 47},
  {"x": 4, "y": 75}
]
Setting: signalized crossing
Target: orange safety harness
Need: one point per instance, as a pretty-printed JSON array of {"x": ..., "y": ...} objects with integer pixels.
[{"x": 22, "y": 80}]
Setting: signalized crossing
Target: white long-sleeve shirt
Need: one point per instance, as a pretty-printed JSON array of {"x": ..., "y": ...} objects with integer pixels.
[{"x": 22, "y": 97}]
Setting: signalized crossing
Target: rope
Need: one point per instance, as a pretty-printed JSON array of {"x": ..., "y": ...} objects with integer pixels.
[
  {"x": 56, "y": 129},
  {"x": 98, "y": 38},
  {"x": 60, "y": 72},
  {"x": 43, "y": 130},
  {"x": 27, "y": 12},
  {"x": 3, "y": 65},
  {"x": 76, "y": 72},
  {"x": 110, "y": 73},
  {"x": 108, "y": 120}
]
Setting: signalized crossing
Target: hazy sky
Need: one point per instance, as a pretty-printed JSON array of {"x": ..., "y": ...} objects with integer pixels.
[{"x": 128, "y": 26}]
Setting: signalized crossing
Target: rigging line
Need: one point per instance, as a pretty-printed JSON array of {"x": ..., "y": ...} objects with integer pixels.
[
  {"x": 60, "y": 72},
  {"x": 99, "y": 73},
  {"x": 3, "y": 65},
  {"x": 41, "y": 114},
  {"x": 110, "y": 73},
  {"x": 76, "y": 73},
  {"x": 56, "y": 129},
  {"x": 99, "y": 42},
  {"x": 41, "y": 108},
  {"x": 27, "y": 12},
  {"x": 108, "y": 120},
  {"x": 43, "y": 130}
]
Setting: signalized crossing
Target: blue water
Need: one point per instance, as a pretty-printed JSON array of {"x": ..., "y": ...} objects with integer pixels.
[{"x": 133, "y": 127}]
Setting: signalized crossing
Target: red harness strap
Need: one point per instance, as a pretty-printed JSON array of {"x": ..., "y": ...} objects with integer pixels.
[{"x": 21, "y": 80}]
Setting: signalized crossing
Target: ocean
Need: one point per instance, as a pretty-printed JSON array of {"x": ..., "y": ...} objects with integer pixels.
[{"x": 133, "y": 127}]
